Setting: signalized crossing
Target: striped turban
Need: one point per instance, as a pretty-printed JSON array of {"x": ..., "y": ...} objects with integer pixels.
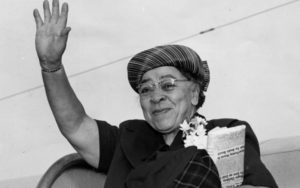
[{"x": 181, "y": 57}]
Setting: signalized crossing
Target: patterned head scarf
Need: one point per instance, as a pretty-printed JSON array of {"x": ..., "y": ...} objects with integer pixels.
[{"x": 179, "y": 56}]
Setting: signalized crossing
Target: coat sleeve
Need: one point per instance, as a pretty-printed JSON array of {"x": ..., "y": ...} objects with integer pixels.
[
  {"x": 108, "y": 140},
  {"x": 255, "y": 172}
]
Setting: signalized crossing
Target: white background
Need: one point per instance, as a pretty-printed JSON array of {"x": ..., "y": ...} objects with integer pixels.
[{"x": 254, "y": 68}]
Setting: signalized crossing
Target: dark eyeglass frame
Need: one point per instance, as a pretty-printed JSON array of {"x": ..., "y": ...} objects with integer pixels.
[{"x": 165, "y": 84}]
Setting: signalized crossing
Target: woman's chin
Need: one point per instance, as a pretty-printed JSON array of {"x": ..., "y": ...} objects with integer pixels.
[{"x": 165, "y": 129}]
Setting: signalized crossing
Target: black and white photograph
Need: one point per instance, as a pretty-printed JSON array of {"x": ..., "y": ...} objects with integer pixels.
[{"x": 150, "y": 94}]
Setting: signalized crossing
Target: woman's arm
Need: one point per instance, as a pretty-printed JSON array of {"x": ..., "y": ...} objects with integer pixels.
[{"x": 51, "y": 39}]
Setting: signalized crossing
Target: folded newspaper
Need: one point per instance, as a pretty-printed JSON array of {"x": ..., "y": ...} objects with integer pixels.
[{"x": 226, "y": 147}]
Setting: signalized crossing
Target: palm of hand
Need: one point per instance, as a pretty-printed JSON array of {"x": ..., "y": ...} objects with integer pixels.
[
  {"x": 50, "y": 43},
  {"x": 51, "y": 35}
]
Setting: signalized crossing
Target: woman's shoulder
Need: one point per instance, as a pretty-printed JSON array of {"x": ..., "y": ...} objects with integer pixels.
[{"x": 231, "y": 122}]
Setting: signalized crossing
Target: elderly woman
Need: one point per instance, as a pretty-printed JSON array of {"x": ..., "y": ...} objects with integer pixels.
[{"x": 171, "y": 81}]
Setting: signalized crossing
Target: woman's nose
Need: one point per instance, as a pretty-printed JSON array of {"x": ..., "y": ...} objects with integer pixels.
[{"x": 157, "y": 96}]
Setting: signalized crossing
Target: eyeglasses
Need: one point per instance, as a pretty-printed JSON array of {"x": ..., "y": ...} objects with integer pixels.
[{"x": 166, "y": 85}]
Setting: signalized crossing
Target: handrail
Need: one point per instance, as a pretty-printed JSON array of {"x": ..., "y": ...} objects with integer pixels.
[{"x": 60, "y": 166}]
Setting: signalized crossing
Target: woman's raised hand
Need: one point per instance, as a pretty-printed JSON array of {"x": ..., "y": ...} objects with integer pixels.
[{"x": 51, "y": 34}]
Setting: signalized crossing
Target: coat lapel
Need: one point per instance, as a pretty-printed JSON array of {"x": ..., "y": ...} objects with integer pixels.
[{"x": 139, "y": 140}]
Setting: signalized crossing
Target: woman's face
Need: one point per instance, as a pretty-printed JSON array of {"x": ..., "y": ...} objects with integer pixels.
[{"x": 166, "y": 106}]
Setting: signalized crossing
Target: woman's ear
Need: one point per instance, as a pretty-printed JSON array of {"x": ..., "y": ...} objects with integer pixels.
[{"x": 195, "y": 94}]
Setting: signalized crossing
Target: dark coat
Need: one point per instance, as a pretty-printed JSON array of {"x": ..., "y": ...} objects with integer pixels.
[{"x": 124, "y": 150}]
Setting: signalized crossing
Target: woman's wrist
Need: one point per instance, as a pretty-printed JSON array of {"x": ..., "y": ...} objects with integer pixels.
[
  {"x": 51, "y": 70},
  {"x": 51, "y": 66}
]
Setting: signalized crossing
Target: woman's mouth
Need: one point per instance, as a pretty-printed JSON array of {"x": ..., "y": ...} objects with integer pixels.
[{"x": 160, "y": 111}]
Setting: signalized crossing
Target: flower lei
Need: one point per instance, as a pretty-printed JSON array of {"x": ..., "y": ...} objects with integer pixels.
[{"x": 194, "y": 133}]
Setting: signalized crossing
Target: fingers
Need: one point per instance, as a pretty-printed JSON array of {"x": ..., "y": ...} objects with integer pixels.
[
  {"x": 55, "y": 11},
  {"x": 64, "y": 15},
  {"x": 37, "y": 18},
  {"x": 55, "y": 17},
  {"x": 47, "y": 13}
]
